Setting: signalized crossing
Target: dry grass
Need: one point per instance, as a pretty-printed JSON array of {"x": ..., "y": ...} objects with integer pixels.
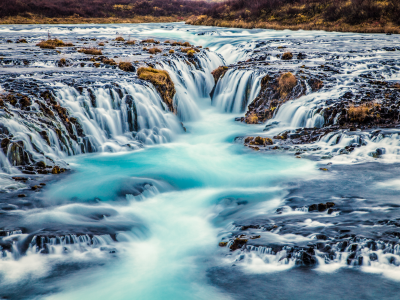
[
  {"x": 109, "y": 61},
  {"x": 154, "y": 50},
  {"x": 126, "y": 66},
  {"x": 161, "y": 81},
  {"x": 191, "y": 53},
  {"x": 171, "y": 51},
  {"x": 358, "y": 113},
  {"x": 287, "y": 56},
  {"x": 130, "y": 42},
  {"x": 91, "y": 50},
  {"x": 287, "y": 82},
  {"x": 150, "y": 41},
  {"x": 101, "y": 44},
  {"x": 120, "y": 39},
  {"x": 53, "y": 44}
]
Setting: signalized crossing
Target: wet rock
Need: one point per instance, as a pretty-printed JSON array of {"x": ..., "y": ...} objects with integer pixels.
[
  {"x": 41, "y": 164},
  {"x": 238, "y": 243},
  {"x": 373, "y": 257},
  {"x": 306, "y": 257},
  {"x": 17, "y": 155}
]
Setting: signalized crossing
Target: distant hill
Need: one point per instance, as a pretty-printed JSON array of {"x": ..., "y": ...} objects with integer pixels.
[{"x": 337, "y": 15}]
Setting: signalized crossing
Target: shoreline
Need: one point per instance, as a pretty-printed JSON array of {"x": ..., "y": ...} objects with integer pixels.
[
  {"x": 36, "y": 20},
  {"x": 204, "y": 21},
  {"x": 330, "y": 27}
]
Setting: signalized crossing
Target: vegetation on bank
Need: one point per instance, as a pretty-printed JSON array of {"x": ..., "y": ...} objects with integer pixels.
[{"x": 330, "y": 15}]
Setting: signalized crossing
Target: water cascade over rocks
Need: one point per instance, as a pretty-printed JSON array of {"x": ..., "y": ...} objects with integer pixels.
[{"x": 229, "y": 160}]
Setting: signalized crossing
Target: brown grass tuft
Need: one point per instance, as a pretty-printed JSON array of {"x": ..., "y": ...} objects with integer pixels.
[
  {"x": 287, "y": 56},
  {"x": 126, "y": 66},
  {"x": 359, "y": 113},
  {"x": 287, "y": 82},
  {"x": 109, "y": 61},
  {"x": 150, "y": 41},
  {"x": 154, "y": 50},
  {"x": 53, "y": 43},
  {"x": 162, "y": 82},
  {"x": 92, "y": 51},
  {"x": 191, "y": 53},
  {"x": 252, "y": 119},
  {"x": 171, "y": 51},
  {"x": 120, "y": 39}
]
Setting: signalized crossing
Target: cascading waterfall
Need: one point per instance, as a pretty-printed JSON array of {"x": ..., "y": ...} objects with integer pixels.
[
  {"x": 117, "y": 118},
  {"x": 234, "y": 98},
  {"x": 193, "y": 83}
]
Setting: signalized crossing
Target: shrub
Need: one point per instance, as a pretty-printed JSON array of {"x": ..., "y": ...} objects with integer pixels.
[
  {"x": 53, "y": 43},
  {"x": 92, "y": 51},
  {"x": 126, "y": 66},
  {"x": 287, "y": 56},
  {"x": 287, "y": 82},
  {"x": 186, "y": 44},
  {"x": 154, "y": 50}
]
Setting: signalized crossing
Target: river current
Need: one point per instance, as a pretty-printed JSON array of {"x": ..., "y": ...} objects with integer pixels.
[{"x": 154, "y": 215}]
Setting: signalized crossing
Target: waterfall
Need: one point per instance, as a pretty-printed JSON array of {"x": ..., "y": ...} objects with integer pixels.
[
  {"x": 235, "y": 90},
  {"x": 109, "y": 117},
  {"x": 193, "y": 82}
]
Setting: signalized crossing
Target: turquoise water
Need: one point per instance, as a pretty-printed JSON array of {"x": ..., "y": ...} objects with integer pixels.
[{"x": 179, "y": 223}]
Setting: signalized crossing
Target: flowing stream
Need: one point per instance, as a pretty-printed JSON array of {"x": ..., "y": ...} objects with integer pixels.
[{"x": 170, "y": 197}]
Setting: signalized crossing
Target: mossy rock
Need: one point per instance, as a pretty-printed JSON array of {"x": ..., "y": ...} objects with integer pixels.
[{"x": 162, "y": 82}]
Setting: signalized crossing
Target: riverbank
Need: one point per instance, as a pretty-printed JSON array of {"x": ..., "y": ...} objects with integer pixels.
[
  {"x": 35, "y": 19},
  {"x": 326, "y": 26}
]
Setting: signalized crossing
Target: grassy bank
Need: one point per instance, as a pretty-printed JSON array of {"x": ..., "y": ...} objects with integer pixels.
[
  {"x": 34, "y": 19},
  {"x": 368, "y": 16},
  {"x": 327, "y": 26}
]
